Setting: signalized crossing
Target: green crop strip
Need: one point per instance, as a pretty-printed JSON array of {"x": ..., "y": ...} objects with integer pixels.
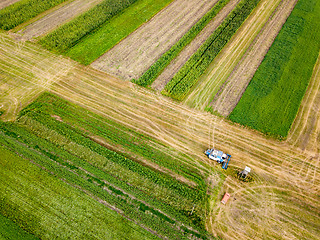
[
  {"x": 59, "y": 145},
  {"x": 50, "y": 208},
  {"x": 72, "y": 32},
  {"x": 154, "y": 71},
  {"x": 78, "y": 177},
  {"x": 23, "y": 11},
  {"x": 189, "y": 74},
  {"x": 113, "y": 31},
  {"x": 10, "y": 230},
  {"x": 272, "y": 99},
  {"x": 116, "y": 134}
]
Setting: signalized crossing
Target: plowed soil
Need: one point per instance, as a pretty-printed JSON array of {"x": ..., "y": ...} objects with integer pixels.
[
  {"x": 136, "y": 53},
  {"x": 189, "y": 50},
  {"x": 56, "y": 18},
  {"x": 231, "y": 92}
]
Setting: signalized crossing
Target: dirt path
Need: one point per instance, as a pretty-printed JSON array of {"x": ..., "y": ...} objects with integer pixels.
[
  {"x": 6, "y": 3},
  {"x": 226, "y": 61},
  {"x": 189, "y": 50},
  {"x": 136, "y": 53},
  {"x": 231, "y": 91},
  {"x": 57, "y": 18},
  {"x": 305, "y": 130}
]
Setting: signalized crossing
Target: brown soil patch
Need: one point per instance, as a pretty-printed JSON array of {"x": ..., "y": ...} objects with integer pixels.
[
  {"x": 231, "y": 91},
  {"x": 136, "y": 53},
  {"x": 190, "y": 49},
  {"x": 57, "y": 18}
]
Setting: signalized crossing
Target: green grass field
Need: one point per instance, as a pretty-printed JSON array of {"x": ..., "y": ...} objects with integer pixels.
[
  {"x": 98, "y": 42},
  {"x": 104, "y": 160},
  {"x": 272, "y": 99},
  {"x": 52, "y": 209},
  {"x": 8, "y": 229}
]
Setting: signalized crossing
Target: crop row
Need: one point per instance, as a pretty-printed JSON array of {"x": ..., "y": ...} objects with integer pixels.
[
  {"x": 70, "y": 33},
  {"x": 189, "y": 74},
  {"x": 58, "y": 140},
  {"x": 24, "y": 10},
  {"x": 60, "y": 163},
  {"x": 117, "y": 134},
  {"x": 272, "y": 99},
  {"x": 50, "y": 208},
  {"x": 154, "y": 71},
  {"x": 113, "y": 31},
  {"x": 10, "y": 230}
]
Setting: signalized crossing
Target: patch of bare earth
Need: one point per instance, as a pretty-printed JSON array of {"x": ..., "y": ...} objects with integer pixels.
[
  {"x": 136, "y": 53},
  {"x": 190, "y": 49},
  {"x": 231, "y": 91},
  {"x": 57, "y": 18},
  {"x": 6, "y": 3}
]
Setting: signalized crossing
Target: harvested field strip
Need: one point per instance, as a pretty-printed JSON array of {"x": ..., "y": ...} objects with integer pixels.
[
  {"x": 135, "y": 54},
  {"x": 41, "y": 203},
  {"x": 56, "y": 18},
  {"x": 25, "y": 73},
  {"x": 288, "y": 172},
  {"x": 189, "y": 74},
  {"x": 306, "y": 127},
  {"x": 70, "y": 33},
  {"x": 6, "y": 3},
  {"x": 178, "y": 133},
  {"x": 232, "y": 89},
  {"x": 150, "y": 75},
  {"x": 120, "y": 137},
  {"x": 174, "y": 66},
  {"x": 270, "y": 104},
  {"x": 113, "y": 31},
  {"x": 221, "y": 67},
  {"x": 9, "y": 229},
  {"x": 193, "y": 129},
  {"x": 24, "y": 10},
  {"x": 119, "y": 181}
]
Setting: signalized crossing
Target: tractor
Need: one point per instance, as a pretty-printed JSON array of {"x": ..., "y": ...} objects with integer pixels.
[{"x": 219, "y": 156}]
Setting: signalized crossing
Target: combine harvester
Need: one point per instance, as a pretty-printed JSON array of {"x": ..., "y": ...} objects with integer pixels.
[{"x": 219, "y": 156}]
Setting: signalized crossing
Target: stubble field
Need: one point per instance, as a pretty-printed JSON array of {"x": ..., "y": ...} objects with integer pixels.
[{"x": 133, "y": 158}]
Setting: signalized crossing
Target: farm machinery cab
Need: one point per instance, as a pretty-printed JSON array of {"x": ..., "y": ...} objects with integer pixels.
[{"x": 219, "y": 156}]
